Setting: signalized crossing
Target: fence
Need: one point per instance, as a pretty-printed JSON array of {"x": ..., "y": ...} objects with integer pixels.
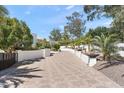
[{"x": 7, "y": 60}]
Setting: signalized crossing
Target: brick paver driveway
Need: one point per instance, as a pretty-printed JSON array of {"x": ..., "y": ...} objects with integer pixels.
[{"x": 60, "y": 70}]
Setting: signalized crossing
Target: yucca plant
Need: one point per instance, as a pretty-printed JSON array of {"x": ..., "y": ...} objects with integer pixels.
[{"x": 107, "y": 45}]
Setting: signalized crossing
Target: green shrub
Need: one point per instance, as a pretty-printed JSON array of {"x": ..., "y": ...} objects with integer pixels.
[
  {"x": 42, "y": 47},
  {"x": 56, "y": 47}
]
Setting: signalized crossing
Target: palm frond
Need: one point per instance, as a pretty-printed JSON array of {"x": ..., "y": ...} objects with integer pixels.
[{"x": 3, "y": 11}]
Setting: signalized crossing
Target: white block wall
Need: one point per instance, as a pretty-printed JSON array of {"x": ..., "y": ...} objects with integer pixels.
[
  {"x": 46, "y": 52},
  {"x": 33, "y": 54},
  {"x": 121, "y": 52},
  {"x": 86, "y": 59}
]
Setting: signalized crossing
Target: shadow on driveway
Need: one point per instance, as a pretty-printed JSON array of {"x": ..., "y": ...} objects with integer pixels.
[{"x": 12, "y": 76}]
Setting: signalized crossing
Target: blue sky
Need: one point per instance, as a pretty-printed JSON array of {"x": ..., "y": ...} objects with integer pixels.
[{"x": 43, "y": 18}]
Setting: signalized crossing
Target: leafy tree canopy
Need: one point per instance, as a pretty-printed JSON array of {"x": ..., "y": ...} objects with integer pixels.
[
  {"x": 55, "y": 35},
  {"x": 116, "y": 12},
  {"x": 98, "y": 31},
  {"x": 14, "y": 33},
  {"x": 75, "y": 25}
]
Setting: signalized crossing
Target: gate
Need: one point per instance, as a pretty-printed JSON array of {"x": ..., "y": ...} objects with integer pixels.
[{"x": 7, "y": 59}]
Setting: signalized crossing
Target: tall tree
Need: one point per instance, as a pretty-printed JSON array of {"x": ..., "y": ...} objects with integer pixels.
[
  {"x": 55, "y": 35},
  {"x": 75, "y": 25},
  {"x": 97, "y": 11},
  {"x": 27, "y": 37},
  {"x": 13, "y": 33},
  {"x": 64, "y": 39},
  {"x": 116, "y": 12},
  {"x": 98, "y": 31},
  {"x": 43, "y": 43}
]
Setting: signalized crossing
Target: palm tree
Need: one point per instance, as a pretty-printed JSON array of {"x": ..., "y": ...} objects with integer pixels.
[
  {"x": 3, "y": 11},
  {"x": 88, "y": 41},
  {"x": 106, "y": 45},
  {"x": 77, "y": 42}
]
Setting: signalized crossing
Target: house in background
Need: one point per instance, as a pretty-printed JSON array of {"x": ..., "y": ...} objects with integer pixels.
[{"x": 34, "y": 39}]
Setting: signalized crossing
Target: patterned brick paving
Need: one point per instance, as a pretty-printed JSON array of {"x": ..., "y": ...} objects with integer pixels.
[{"x": 62, "y": 70}]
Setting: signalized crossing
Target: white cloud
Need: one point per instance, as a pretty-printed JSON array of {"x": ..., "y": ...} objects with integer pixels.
[
  {"x": 28, "y": 12},
  {"x": 69, "y": 7}
]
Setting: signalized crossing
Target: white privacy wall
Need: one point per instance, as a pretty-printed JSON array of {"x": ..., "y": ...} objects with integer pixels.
[{"x": 33, "y": 54}]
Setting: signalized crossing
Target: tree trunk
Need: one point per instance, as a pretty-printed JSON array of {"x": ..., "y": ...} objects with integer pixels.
[
  {"x": 109, "y": 59},
  {"x": 88, "y": 48},
  {"x": 104, "y": 57}
]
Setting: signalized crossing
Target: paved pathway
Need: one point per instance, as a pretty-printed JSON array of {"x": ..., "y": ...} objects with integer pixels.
[{"x": 60, "y": 70}]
